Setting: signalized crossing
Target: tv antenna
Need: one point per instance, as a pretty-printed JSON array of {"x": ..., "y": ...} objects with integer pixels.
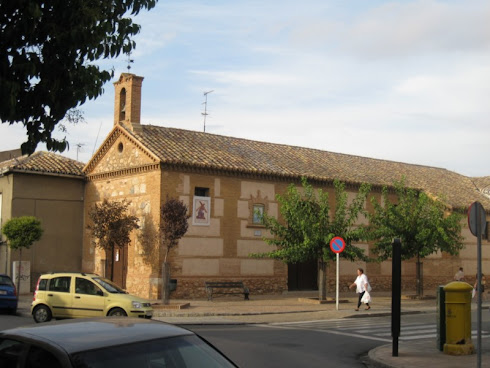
[
  {"x": 129, "y": 61},
  {"x": 205, "y": 103},
  {"x": 79, "y": 148}
]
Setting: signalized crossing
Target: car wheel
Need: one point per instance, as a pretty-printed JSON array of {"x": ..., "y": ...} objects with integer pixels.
[
  {"x": 13, "y": 311},
  {"x": 117, "y": 312},
  {"x": 41, "y": 314}
]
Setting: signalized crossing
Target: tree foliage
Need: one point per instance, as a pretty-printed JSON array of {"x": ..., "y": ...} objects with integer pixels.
[
  {"x": 173, "y": 224},
  {"x": 423, "y": 224},
  {"x": 22, "y": 232},
  {"x": 47, "y": 54},
  {"x": 308, "y": 225},
  {"x": 111, "y": 225}
]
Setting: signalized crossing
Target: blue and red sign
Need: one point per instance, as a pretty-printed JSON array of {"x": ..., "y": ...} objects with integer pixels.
[{"x": 337, "y": 244}]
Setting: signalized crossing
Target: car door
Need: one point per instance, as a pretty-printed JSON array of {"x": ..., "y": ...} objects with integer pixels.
[
  {"x": 88, "y": 299},
  {"x": 58, "y": 296}
]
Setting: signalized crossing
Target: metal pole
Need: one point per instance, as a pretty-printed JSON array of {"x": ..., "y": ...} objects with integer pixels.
[
  {"x": 396, "y": 284},
  {"x": 479, "y": 209},
  {"x": 337, "y": 288}
]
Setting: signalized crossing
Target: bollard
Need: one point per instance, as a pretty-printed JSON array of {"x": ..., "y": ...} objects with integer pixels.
[
  {"x": 458, "y": 319},
  {"x": 441, "y": 318}
]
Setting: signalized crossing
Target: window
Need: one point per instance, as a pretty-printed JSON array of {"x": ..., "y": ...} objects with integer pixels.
[
  {"x": 42, "y": 284},
  {"x": 258, "y": 214},
  {"x": 40, "y": 358},
  {"x": 84, "y": 286},
  {"x": 201, "y": 192},
  {"x": 122, "y": 105},
  {"x": 61, "y": 284},
  {"x": 10, "y": 353}
]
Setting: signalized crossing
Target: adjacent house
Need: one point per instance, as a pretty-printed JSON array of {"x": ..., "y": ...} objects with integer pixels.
[
  {"x": 50, "y": 187},
  {"x": 224, "y": 181}
]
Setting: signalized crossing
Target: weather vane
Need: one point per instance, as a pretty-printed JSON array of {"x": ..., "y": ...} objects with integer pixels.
[{"x": 129, "y": 61}]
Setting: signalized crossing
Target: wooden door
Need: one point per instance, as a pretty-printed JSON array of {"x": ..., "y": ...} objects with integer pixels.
[{"x": 303, "y": 276}]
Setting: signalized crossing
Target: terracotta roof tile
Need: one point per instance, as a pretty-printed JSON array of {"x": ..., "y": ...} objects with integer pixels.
[
  {"x": 191, "y": 148},
  {"x": 43, "y": 162}
]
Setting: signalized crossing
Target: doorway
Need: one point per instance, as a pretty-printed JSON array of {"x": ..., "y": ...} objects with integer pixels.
[
  {"x": 303, "y": 276},
  {"x": 120, "y": 260}
]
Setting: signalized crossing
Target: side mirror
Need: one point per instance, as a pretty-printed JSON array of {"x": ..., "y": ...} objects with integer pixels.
[{"x": 100, "y": 293}]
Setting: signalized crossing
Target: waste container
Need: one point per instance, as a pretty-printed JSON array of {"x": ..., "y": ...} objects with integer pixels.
[{"x": 458, "y": 319}]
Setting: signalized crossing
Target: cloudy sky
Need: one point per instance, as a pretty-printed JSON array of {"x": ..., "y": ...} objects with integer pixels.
[{"x": 397, "y": 80}]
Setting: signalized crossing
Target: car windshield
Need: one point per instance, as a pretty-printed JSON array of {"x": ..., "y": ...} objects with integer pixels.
[
  {"x": 5, "y": 280},
  {"x": 175, "y": 352},
  {"x": 109, "y": 285}
]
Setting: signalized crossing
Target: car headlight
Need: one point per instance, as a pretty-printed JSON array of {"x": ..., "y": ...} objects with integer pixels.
[{"x": 137, "y": 304}]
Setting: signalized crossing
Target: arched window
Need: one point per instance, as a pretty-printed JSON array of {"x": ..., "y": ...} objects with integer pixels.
[{"x": 122, "y": 105}]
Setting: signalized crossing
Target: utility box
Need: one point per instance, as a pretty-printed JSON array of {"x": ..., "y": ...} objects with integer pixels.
[
  {"x": 441, "y": 318},
  {"x": 458, "y": 319}
]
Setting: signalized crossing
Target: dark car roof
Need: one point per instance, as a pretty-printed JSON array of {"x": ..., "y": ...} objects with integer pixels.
[{"x": 87, "y": 334}]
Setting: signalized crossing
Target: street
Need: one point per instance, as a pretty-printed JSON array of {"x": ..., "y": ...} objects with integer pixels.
[
  {"x": 332, "y": 342},
  {"x": 340, "y": 343}
]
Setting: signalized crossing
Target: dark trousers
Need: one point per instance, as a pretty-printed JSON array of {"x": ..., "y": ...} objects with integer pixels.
[
  {"x": 360, "y": 297},
  {"x": 359, "y": 302}
]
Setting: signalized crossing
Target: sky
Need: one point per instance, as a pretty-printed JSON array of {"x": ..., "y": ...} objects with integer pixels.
[{"x": 404, "y": 81}]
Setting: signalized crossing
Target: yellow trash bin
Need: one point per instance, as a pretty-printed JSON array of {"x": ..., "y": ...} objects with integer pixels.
[{"x": 458, "y": 319}]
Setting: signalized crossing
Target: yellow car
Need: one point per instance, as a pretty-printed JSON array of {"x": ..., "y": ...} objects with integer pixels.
[{"x": 78, "y": 295}]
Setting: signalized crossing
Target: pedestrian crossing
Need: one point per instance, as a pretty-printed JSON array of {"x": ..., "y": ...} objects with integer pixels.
[{"x": 369, "y": 328}]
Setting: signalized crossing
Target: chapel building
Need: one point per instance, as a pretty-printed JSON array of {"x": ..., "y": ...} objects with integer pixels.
[{"x": 224, "y": 181}]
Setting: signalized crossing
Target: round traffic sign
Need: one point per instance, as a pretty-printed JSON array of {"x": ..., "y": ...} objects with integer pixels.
[
  {"x": 337, "y": 244},
  {"x": 477, "y": 218}
]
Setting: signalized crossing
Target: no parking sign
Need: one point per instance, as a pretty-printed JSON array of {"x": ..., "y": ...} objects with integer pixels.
[{"x": 337, "y": 244}]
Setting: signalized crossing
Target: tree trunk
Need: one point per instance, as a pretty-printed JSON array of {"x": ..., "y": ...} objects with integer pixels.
[
  {"x": 112, "y": 265},
  {"x": 322, "y": 280},
  {"x": 165, "y": 283},
  {"x": 18, "y": 273},
  {"x": 419, "y": 270}
]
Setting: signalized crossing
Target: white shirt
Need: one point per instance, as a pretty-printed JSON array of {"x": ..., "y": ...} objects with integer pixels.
[
  {"x": 459, "y": 276},
  {"x": 361, "y": 282}
]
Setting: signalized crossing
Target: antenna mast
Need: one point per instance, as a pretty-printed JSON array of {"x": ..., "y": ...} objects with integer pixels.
[
  {"x": 205, "y": 103},
  {"x": 79, "y": 148}
]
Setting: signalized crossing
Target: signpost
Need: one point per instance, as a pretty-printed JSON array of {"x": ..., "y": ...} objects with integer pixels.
[
  {"x": 477, "y": 221},
  {"x": 396, "y": 287},
  {"x": 337, "y": 245}
]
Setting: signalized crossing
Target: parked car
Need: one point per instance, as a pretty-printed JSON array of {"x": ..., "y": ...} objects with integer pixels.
[
  {"x": 114, "y": 342},
  {"x": 8, "y": 294},
  {"x": 77, "y": 295}
]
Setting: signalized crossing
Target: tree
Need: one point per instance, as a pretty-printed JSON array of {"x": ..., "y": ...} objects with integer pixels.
[
  {"x": 173, "y": 226},
  {"x": 47, "y": 54},
  {"x": 111, "y": 226},
  {"x": 22, "y": 232},
  {"x": 423, "y": 224},
  {"x": 307, "y": 226}
]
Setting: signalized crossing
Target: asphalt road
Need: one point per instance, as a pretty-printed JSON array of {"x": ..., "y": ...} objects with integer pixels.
[
  {"x": 261, "y": 346},
  {"x": 337, "y": 343}
]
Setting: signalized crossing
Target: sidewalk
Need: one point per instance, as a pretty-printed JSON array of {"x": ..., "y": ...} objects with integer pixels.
[{"x": 289, "y": 307}]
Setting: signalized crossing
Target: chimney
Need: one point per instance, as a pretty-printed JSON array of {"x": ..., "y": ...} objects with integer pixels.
[{"x": 127, "y": 102}]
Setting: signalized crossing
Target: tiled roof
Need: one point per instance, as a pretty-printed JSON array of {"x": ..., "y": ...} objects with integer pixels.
[
  {"x": 43, "y": 162},
  {"x": 204, "y": 150}
]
